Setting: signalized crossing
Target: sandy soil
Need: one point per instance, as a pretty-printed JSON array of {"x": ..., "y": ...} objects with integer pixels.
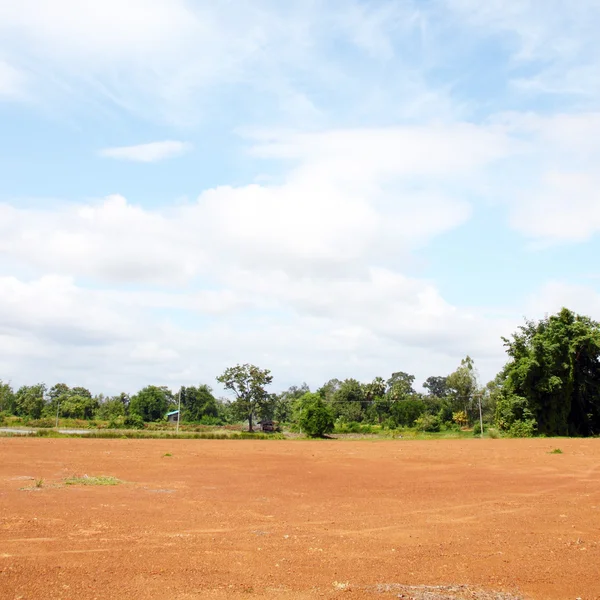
[{"x": 297, "y": 519}]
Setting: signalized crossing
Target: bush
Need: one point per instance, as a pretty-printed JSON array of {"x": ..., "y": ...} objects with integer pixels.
[
  {"x": 428, "y": 423},
  {"x": 134, "y": 422},
  {"x": 477, "y": 428},
  {"x": 116, "y": 423},
  {"x": 45, "y": 423},
  {"x": 523, "y": 429},
  {"x": 353, "y": 427},
  {"x": 316, "y": 417},
  {"x": 211, "y": 421},
  {"x": 493, "y": 433}
]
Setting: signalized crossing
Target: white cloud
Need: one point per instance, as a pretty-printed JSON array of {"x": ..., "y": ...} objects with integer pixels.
[
  {"x": 558, "y": 38},
  {"x": 12, "y": 81},
  {"x": 350, "y": 199},
  {"x": 306, "y": 270},
  {"x": 553, "y": 295},
  {"x": 148, "y": 153},
  {"x": 553, "y": 190}
]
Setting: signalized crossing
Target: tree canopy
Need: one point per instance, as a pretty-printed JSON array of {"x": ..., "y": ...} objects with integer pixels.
[
  {"x": 248, "y": 383},
  {"x": 555, "y": 366}
]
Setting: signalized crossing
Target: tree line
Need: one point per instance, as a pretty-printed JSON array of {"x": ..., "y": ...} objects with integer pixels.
[{"x": 550, "y": 385}]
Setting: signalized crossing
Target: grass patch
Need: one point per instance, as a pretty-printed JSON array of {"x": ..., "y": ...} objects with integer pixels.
[
  {"x": 168, "y": 454},
  {"x": 39, "y": 483},
  {"x": 556, "y": 451},
  {"x": 88, "y": 480}
]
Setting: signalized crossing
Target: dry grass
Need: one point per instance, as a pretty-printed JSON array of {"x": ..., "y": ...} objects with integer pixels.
[{"x": 88, "y": 480}]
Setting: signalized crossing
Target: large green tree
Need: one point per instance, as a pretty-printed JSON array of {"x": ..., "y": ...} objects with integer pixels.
[
  {"x": 555, "y": 365},
  {"x": 30, "y": 400},
  {"x": 7, "y": 398},
  {"x": 462, "y": 388},
  {"x": 198, "y": 402},
  {"x": 315, "y": 415},
  {"x": 248, "y": 383},
  {"x": 151, "y": 403}
]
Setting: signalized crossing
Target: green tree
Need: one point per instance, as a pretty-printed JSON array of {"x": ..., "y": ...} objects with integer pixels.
[
  {"x": 283, "y": 409},
  {"x": 78, "y": 407},
  {"x": 7, "y": 398},
  {"x": 248, "y": 383},
  {"x": 462, "y": 387},
  {"x": 436, "y": 386},
  {"x": 406, "y": 412},
  {"x": 151, "y": 403},
  {"x": 198, "y": 402},
  {"x": 349, "y": 402},
  {"x": 111, "y": 408},
  {"x": 29, "y": 400},
  {"x": 400, "y": 386},
  {"x": 316, "y": 417},
  {"x": 555, "y": 365}
]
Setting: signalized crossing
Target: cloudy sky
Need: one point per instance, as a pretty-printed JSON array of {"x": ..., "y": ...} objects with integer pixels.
[{"x": 325, "y": 188}]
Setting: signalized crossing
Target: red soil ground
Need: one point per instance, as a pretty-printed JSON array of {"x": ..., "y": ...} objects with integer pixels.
[{"x": 295, "y": 519}]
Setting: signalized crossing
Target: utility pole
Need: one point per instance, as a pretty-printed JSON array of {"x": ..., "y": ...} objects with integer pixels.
[
  {"x": 480, "y": 417},
  {"x": 57, "y": 407},
  {"x": 178, "y": 411}
]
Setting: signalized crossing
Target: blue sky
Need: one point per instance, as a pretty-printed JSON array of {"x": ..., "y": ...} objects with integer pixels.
[{"x": 323, "y": 188}]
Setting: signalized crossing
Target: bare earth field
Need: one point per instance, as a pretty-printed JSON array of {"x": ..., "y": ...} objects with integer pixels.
[{"x": 295, "y": 519}]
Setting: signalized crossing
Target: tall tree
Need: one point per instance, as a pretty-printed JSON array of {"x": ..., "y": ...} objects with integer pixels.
[
  {"x": 248, "y": 383},
  {"x": 7, "y": 398},
  {"x": 151, "y": 403},
  {"x": 555, "y": 365},
  {"x": 436, "y": 386},
  {"x": 30, "y": 401},
  {"x": 400, "y": 386},
  {"x": 198, "y": 402},
  {"x": 462, "y": 387}
]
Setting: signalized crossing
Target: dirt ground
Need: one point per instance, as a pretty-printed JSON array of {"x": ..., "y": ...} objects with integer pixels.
[{"x": 298, "y": 519}]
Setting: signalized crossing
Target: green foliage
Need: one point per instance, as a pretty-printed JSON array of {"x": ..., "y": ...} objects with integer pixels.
[
  {"x": 316, "y": 417},
  {"x": 29, "y": 401},
  {"x": 462, "y": 387},
  {"x": 283, "y": 409},
  {"x": 523, "y": 429},
  {"x": 151, "y": 403},
  {"x": 512, "y": 409},
  {"x": 133, "y": 422},
  {"x": 477, "y": 428},
  {"x": 74, "y": 406},
  {"x": 111, "y": 409},
  {"x": 406, "y": 412},
  {"x": 7, "y": 398},
  {"x": 353, "y": 427},
  {"x": 555, "y": 364},
  {"x": 248, "y": 383},
  {"x": 429, "y": 423},
  {"x": 197, "y": 403},
  {"x": 436, "y": 386},
  {"x": 349, "y": 401},
  {"x": 556, "y": 451},
  {"x": 43, "y": 423}
]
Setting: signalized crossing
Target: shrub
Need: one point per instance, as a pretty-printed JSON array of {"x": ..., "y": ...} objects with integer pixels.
[
  {"x": 493, "y": 433},
  {"x": 116, "y": 423},
  {"x": 134, "y": 422},
  {"x": 477, "y": 428},
  {"x": 428, "y": 423},
  {"x": 523, "y": 429},
  {"x": 44, "y": 423},
  {"x": 316, "y": 417},
  {"x": 352, "y": 427},
  {"x": 211, "y": 421}
]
